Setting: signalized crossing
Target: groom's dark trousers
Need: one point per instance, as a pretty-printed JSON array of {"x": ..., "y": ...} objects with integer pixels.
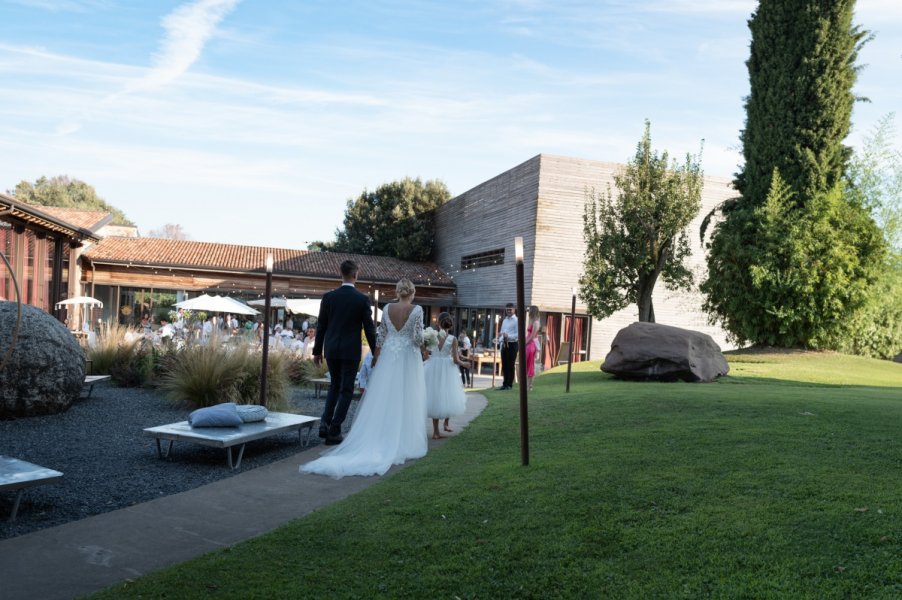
[{"x": 342, "y": 314}]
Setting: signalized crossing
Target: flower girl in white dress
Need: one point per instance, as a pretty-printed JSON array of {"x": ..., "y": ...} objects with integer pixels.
[{"x": 445, "y": 396}]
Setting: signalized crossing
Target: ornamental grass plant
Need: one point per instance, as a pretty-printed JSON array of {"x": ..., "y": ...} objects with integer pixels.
[
  {"x": 204, "y": 375},
  {"x": 106, "y": 348},
  {"x": 781, "y": 480}
]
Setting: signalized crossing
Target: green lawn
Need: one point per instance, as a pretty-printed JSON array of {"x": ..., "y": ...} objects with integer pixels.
[{"x": 783, "y": 480}]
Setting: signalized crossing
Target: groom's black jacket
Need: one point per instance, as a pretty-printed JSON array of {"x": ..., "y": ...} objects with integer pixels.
[{"x": 342, "y": 313}]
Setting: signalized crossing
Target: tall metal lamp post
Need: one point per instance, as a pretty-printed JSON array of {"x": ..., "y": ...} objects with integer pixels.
[
  {"x": 521, "y": 371},
  {"x": 268, "y": 303},
  {"x": 572, "y": 329}
]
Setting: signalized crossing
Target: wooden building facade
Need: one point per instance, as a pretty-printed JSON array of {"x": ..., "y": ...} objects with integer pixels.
[
  {"x": 39, "y": 250},
  {"x": 542, "y": 200},
  {"x": 135, "y": 277}
]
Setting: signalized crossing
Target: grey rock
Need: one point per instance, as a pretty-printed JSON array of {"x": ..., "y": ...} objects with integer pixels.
[
  {"x": 45, "y": 372},
  {"x": 651, "y": 351}
]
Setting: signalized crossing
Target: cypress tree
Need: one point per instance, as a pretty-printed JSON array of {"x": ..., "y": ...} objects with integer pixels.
[
  {"x": 798, "y": 112},
  {"x": 795, "y": 255}
]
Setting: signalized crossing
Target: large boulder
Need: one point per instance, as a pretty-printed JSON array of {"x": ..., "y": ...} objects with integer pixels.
[
  {"x": 650, "y": 351},
  {"x": 46, "y": 370}
]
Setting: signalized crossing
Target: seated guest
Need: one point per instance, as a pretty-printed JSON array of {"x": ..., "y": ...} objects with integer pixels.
[{"x": 308, "y": 342}]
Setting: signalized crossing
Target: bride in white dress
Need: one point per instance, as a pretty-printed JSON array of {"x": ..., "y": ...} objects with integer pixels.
[{"x": 390, "y": 427}]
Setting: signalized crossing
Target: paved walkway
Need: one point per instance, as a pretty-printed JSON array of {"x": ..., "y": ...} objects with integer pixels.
[{"x": 89, "y": 555}]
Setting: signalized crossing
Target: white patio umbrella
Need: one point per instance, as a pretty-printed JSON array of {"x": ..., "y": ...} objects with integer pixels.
[
  {"x": 303, "y": 306},
  {"x": 84, "y": 302},
  {"x": 274, "y": 302},
  {"x": 223, "y": 304},
  {"x": 296, "y": 306}
]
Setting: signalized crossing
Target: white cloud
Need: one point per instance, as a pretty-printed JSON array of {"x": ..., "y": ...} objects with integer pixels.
[
  {"x": 188, "y": 29},
  {"x": 77, "y": 6}
]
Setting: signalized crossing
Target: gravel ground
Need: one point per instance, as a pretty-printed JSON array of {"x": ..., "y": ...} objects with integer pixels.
[{"x": 107, "y": 462}]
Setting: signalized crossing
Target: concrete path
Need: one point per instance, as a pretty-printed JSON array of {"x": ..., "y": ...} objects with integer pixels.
[{"x": 89, "y": 555}]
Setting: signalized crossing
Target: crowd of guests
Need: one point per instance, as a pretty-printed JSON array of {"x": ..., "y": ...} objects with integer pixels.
[{"x": 225, "y": 328}]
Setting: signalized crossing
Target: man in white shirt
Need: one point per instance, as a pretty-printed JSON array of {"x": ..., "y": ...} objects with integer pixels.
[
  {"x": 509, "y": 346},
  {"x": 463, "y": 348}
]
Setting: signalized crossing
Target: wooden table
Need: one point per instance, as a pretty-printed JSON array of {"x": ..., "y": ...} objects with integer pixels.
[{"x": 493, "y": 358}]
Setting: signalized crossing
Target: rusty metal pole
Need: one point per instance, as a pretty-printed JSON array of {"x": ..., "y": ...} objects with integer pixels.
[
  {"x": 521, "y": 351},
  {"x": 572, "y": 330},
  {"x": 267, "y": 304}
]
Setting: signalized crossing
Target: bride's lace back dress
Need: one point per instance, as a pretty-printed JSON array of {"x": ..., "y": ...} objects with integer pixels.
[{"x": 391, "y": 422}]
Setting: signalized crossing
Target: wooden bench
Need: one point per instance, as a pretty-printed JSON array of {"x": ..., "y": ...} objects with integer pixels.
[
  {"x": 18, "y": 475},
  {"x": 226, "y": 437},
  {"x": 90, "y": 380}
]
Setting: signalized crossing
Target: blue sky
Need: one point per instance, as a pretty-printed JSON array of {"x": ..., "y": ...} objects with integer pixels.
[{"x": 254, "y": 122}]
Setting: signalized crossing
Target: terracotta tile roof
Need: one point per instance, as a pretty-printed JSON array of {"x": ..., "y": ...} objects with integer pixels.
[
  {"x": 86, "y": 219},
  {"x": 235, "y": 258}
]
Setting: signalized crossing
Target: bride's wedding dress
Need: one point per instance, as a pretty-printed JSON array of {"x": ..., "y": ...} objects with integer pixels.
[{"x": 391, "y": 422}]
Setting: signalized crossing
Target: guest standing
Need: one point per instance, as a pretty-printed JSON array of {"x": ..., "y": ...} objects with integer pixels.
[
  {"x": 532, "y": 344},
  {"x": 464, "y": 345},
  {"x": 509, "y": 346}
]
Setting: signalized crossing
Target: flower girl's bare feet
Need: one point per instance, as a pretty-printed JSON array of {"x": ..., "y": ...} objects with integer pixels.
[
  {"x": 448, "y": 428},
  {"x": 437, "y": 436}
]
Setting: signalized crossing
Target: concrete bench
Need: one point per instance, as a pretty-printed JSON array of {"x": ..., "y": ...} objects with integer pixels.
[
  {"x": 227, "y": 437},
  {"x": 18, "y": 475},
  {"x": 322, "y": 384},
  {"x": 90, "y": 380}
]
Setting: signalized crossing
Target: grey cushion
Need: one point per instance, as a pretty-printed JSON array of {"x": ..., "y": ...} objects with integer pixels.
[
  {"x": 251, "y": 413},
  {"x": 219, "y": 415}
]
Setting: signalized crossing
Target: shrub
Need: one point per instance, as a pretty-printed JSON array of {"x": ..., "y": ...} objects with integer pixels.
[
  {"x": 301, "y": 371},
  {"x": 128, "y": 362},
  {"x": 132, "y": 364},
  {"x": 103, "y": 354},
  {"x": 199, "y": 376}
]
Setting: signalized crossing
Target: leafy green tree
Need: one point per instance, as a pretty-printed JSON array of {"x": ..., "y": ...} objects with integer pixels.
[
  {"x": 639, "y": 235},
  {"x": 64, "y": 192},
  {"x": 806, "y": 267},
  {"x": 398, "y": 219},
  {"x": 795, "y": 254},
  {"x": 875, "y": 176}
]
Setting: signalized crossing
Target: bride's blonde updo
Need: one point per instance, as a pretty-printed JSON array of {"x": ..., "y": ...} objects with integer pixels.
[{"x": 405, "y": 288}]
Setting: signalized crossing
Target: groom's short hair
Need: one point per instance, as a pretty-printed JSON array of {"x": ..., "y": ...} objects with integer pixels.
[{"x": 348, "y": 268}]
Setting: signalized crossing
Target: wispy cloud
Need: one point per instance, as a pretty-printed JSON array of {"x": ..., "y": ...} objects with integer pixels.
[
  {"x": 188, "y": 29},
  {"x": 76, "y": 6}
]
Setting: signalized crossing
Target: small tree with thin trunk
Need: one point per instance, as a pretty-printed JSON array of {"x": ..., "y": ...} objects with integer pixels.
[{"x": 639, "y": 234}]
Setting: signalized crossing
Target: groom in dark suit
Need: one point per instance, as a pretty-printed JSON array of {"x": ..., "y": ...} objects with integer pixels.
[{"x": 343, "y": 312}]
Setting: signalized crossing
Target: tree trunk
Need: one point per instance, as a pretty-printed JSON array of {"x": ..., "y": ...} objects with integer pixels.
[{"x": 646, "y": 307}]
